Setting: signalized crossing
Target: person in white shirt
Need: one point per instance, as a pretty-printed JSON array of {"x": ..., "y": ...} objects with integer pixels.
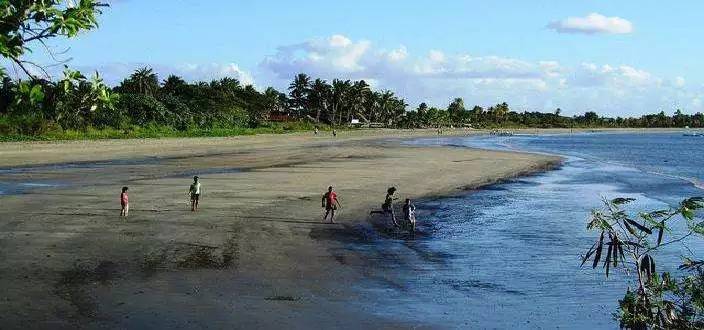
[
  {"x": 409, "y": 215},
  {"x": 194, "y": 191}
]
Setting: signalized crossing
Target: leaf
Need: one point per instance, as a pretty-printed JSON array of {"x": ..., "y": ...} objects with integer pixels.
[
  {"x": 616, "y": 245},
  {"x": 687, "y": 213},
  {"x": 633, "y": 244},
  {"x": 659, "y": 213},
  {"x": 629, "y": 228},
  {"x": 589, "y": 254},
  {"x": 699, "y": 228},
  {"x": 660, "y": 232},
  {"x": 36, "y": 95},
  {"x": 607, "y": 262},
  {"x": 599, "y": 247},
  {"x": 621, "y": 200},
  {"x": 693, "y": 203},
  {"x": 639, "y": 226},
  {"x": 646, "y": 266}
]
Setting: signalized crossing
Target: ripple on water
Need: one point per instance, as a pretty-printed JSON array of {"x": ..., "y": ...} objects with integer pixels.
[{"x": 510, "y": 253}]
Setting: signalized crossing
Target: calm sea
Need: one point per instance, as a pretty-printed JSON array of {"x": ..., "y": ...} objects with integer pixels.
[{"x": 507, "y": 256}]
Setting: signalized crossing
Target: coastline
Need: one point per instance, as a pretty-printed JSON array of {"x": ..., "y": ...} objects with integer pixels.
[
  {"x": 256, "y": 255},
  {"x": 28, "y": 153}
]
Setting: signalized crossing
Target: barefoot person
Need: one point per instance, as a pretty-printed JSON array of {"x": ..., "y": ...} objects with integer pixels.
[
  {"x": 124, "y": 202},
  {"x": 194, "y": 191},
  {"x": 388, "y": 207},
  {"x": 409, "y": 215},
  {"x": 330, "y": 203}
]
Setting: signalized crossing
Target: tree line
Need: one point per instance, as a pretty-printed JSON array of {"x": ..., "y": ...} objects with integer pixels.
[
  {"x": 76, "y": 102},
  {"x": 38, "y": 103}
]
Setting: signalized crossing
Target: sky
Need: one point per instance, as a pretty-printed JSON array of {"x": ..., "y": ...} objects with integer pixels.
[{"x": 618, "y": 58}]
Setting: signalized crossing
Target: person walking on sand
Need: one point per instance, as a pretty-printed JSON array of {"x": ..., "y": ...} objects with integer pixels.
[
  {"x": 409, "y": 215},
  {"x": 195, "y": 191},
  {"x": 388, "y": 207},
  {"x": 330, "y": 203},
  {"x": 124, "y": 202}
]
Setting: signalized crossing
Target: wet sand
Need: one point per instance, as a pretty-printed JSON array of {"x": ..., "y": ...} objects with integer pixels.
[{"x": 255, "y": 255}]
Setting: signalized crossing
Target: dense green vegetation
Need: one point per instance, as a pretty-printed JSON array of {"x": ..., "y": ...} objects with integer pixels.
[
  {"x": 631, "y": 242},
  {"x": 143, "y": 105},
  {"x": 76, "y": 107}
]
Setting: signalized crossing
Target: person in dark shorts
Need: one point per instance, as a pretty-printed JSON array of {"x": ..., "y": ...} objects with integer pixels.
[
  {"x": 330, "y": 203},
  {"x": 195, "y": 191},
  {"x": 387, "y": 207}
]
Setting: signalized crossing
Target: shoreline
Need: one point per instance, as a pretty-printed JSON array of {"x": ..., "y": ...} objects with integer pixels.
[
  {"x": 256, "y": 255},
  {"x": 24, "y": 153}
]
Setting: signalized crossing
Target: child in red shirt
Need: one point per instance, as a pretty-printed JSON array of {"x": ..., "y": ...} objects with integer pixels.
[{"x": 330, "y": 203}]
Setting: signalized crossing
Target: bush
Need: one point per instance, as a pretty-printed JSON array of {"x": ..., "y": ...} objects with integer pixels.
[
  {"x": 31, "y": 125},
  {"x": 6, "y": 127},
  {"x": 180, "y": 111},
  {"x": 144, "y": 109}
]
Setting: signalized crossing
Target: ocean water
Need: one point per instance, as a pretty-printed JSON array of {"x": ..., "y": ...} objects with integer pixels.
[{"x": 508, "y": 256}]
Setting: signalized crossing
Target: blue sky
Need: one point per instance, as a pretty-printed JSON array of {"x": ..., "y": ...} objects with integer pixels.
[{"x": 613, "y": 57}]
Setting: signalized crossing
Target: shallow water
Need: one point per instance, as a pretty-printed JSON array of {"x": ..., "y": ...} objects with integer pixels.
[{"x": 508, "y": 255}]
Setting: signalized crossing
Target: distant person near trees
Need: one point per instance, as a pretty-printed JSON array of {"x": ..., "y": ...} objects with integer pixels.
[
  {"x": 124, "y": 202},
  {"x": 387, "y": 207},
  {"x": 195, "y": 192},
  {"x": 330, "y": 203}
]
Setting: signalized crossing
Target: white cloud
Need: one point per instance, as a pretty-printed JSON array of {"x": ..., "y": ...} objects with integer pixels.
[
  {"x": 339, "y": 56},
  {"x": 438, "y": 76},
  {"x": 114, "y": 73},
  {"x": 593, "y": 75},
  {"x": 213, "y": 71},
  {"x": 679, "y": 82},
  {"x": 592, "y": 24}
]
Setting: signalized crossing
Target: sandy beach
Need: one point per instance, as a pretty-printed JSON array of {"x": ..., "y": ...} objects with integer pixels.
[{"x": 256, "y": 255}]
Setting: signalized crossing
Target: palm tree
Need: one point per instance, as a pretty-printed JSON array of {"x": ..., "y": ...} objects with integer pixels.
[
  {"x": 456, "y": 110},
  {"x": 340, "y": 91},
  {"x": 272, "y": 101},
  {"x": 174, "y": 85},
  {"x": 358, "y": 95},
  {"x": 319, "y": 96},
  {"x": 299, "y": 91},
  {"x": 143, "y": 81}
]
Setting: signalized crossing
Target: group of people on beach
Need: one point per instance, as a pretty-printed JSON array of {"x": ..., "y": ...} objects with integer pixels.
[
  {"x": 330, "y": 202},
  {"x": 409, "y": 210},
  {"x": 194, "y": 192}
]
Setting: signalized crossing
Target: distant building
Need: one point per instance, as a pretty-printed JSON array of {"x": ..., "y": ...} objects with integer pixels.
[{"x": 280, "y": 117}]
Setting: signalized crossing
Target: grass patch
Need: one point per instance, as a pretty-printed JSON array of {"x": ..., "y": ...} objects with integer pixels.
[{"x": 159, "y": 131}]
